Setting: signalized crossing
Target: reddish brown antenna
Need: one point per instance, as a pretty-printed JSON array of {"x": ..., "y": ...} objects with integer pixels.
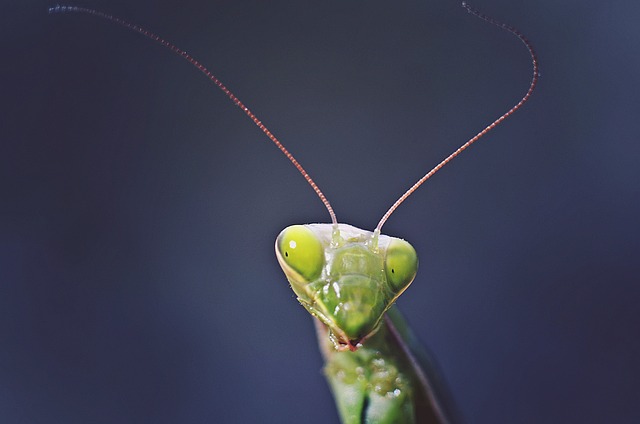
[
  {"x": 532, "y": 86},
  {"x": 183, "y": 54}
]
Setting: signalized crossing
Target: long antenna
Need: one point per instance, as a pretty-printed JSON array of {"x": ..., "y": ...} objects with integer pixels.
[
  {"x": 186, "y": 56},
  {"x": 532, "y": 86}
]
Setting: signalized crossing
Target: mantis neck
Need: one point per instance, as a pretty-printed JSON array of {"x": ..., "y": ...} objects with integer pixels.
[{"x": 390, "y": 379}]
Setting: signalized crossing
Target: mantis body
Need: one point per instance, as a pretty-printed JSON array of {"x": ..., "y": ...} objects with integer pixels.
[{"x": 348, "y": 279}]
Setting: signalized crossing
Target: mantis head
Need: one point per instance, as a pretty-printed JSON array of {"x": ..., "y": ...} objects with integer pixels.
[{"x": 345, "y": 277}]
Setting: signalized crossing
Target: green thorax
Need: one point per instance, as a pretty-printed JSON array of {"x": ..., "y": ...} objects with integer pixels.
[{"x": 375, "y": 384}]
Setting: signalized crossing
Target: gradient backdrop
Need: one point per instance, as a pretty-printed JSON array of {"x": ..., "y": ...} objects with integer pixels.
[{"x": 139, "y": 207}]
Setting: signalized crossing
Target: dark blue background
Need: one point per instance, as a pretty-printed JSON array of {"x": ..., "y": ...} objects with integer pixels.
[{"x": 138, "y": 207}]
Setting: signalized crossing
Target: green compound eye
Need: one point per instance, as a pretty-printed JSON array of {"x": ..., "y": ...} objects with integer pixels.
[
  {"x": 400, "y": 264},
  {"x": 301, "y": 250}
]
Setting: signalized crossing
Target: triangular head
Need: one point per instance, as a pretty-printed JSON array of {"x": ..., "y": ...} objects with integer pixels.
[{"x": 346, "y": 277}]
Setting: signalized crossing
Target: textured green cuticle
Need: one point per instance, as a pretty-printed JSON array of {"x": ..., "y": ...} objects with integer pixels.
[{"x": 372, "y": 384}]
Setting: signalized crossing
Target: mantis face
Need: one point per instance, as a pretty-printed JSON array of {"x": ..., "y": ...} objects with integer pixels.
[{"x": 344, "y": 276}]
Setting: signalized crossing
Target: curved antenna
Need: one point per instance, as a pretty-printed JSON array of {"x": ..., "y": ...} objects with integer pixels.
[
  {"x": 532, "y": 86},
  {"x": 186, "y": 56}
]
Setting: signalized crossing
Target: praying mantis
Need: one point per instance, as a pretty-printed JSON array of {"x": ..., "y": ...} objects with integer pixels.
[{"x": 348, "y": 279}]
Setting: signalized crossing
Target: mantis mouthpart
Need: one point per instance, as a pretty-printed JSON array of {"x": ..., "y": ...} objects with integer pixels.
[{"x": 348, "y": 279}]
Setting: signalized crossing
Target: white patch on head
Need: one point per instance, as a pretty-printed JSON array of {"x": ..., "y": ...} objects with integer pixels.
[{"x": 336, "y": 288}]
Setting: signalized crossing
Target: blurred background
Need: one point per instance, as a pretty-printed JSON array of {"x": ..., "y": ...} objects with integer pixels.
[{"x": 139, "y": 207}]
